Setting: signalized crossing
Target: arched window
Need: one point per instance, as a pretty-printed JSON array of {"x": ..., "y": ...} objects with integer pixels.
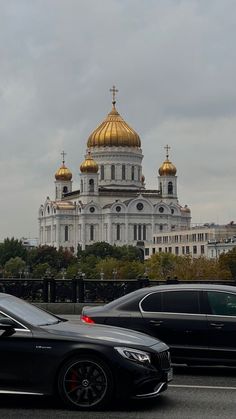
[
  {"x": 65, "y": 189},
  {"x": 102, "y": 172},
  {"x": 91, "y": 185},
  {"x": 92, "y": 232},
  {"x": 113, "y": 172},
  {"x": 161, "y": 188},
  {"x": 81, "y": 186},
  {"x": 144, "y": 232},
  {"x": 170, "y": 188},
  {"x": 139, "y": 232},
  {"x": 135, "y": 231},
  {"x": 66, "y": 233},
  {"x": 118, "y": 232},
  {"x": 132, "y": 173},
  {"x": 123, "y": 172}
]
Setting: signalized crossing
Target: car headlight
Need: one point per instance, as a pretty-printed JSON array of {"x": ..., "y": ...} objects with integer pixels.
[{"x": 134, "y": 355}]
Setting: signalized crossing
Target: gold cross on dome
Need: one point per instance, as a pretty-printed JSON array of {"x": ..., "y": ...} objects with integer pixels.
[
  {"x": 167, "y": 147},
  {"x": 63, "y": 154},
  {"x": 114, "y": 91}
]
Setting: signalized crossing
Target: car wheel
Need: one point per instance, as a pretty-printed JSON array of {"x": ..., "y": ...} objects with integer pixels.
[{"x": 85, "y": 382}]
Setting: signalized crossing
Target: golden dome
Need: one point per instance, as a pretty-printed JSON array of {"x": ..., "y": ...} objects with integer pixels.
[
  {"x": 63, "y": 173},
  {"x": 89, "y": 165},
  {"x": 114, "y": 132},
  {"x": 167, "y": 168}
]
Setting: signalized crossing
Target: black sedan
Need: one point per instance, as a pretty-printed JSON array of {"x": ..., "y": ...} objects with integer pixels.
[
  {"x": 86, "y": 365},
  {"x": 197, "y": 321}
]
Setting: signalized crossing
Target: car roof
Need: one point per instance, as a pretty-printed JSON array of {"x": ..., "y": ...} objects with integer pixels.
[{"x": 169, "y": 287}]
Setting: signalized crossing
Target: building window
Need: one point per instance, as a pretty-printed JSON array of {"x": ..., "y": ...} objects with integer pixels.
[
  {"x": 170, "y": 249},
  {"x": 65, "y": 189},
  {"x": 161, "y": 209},
  {"x": 135, "y": 232},
  {"x": 139, "y": 173},
  {"x": 123, "y": 172},
  {"x": 161, "y": 227},
  {"x": 153, "y": 250},
  {"x": 176, "y": 250},
  {"x": 139, "y": 232},
  {"x": 91, "y": 185},
  {"x": 132, "y": 173},
  {"x": 170, "y": 188},
  {"x": 92, "y": 233},
  {"x": 146, "y": 252},
  {"x": 102, "y": 172},
  {"x": 202, "y": 249},
  {"x": 139, "y": 206},
  {"x": 187, "y": 250},
  {"x": 144, "y": 232},
  {"x": 66, "y": 233},
  {"x": 194, "y": 250},
  {"x": 81, "y": 186},
  {"x": 118, "y": 232},
  {"x": 183, "y": 250},
  {"x": 113, "y": 172}
]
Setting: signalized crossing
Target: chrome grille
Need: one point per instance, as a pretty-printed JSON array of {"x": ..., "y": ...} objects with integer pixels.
[{"x": 164, "y": 360}]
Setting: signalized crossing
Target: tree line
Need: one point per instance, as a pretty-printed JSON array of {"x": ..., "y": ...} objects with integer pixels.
[{"x": 101, "y": 260}]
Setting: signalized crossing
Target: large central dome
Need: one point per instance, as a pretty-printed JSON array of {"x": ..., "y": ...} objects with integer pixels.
[{"x": 114, "y": 132}]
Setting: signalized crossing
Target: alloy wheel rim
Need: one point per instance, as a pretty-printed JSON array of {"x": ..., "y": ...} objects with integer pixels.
[{"x": 85, "y": 383}]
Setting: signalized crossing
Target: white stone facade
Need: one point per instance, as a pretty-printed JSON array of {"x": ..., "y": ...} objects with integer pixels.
[
  {"x": 205, "y": 240},
  {"x": 112, "y": 203}
]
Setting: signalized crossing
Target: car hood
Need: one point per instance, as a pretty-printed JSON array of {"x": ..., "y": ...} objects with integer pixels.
[{"x": 103, "y": 333}]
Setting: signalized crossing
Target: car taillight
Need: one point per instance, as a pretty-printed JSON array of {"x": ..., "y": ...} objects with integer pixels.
[{"x": 86, "y": 319}]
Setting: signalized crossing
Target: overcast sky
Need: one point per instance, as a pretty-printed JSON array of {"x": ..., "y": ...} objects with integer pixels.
[{"x": 174, "y": 63}]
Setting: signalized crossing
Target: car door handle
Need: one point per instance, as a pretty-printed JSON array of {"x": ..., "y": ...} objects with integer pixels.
[
  {"x": 156, "y": 322},
  {"x": 217, "y": 325}
]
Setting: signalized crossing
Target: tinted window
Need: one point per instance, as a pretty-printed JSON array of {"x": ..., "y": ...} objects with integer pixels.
[
  {"x": 181, "y": 302},
  {"x": 152, "y": 302},
  {"x": 222, "y": 303}
]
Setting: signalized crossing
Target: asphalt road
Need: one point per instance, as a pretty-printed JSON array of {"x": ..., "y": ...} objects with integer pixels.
[{"x": 194, "y": 393}]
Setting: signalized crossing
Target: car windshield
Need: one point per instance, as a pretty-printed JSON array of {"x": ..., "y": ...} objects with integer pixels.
[{"x": 27, "y": 312}]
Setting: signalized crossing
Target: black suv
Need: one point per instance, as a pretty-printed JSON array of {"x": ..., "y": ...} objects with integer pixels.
[{"x": 197, "y": 321}]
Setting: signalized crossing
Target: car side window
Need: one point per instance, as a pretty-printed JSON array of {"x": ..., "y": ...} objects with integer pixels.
[
  {"x": 152, "y": 302},
  {"x": 3, "y": 317},
  {"x": 181, "y": 302},
  {"x": 222, "y": 303}
]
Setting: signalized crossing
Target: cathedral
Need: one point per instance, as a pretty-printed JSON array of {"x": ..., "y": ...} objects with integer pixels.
[{"x": 112, "y": 203}]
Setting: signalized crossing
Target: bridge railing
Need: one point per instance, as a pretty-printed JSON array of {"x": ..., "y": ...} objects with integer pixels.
[{"x": 78, "y": 289}]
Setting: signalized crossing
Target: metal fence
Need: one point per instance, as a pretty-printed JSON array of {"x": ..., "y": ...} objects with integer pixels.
[{"x": 80, "y": 290}]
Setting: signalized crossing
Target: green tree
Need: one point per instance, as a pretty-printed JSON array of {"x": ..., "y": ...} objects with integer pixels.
[
  {"x": 11, "y": 248},
  {"x": 100, "y": 250},
  {"x": 161, "y": 266},
  {"x": 110, "y": 267},
  {"x": 15, "y": 267},
  {"x": 46, "y": 254},
  {"x": 39, "y": 270},
  {"x": 228, "y": 261}
]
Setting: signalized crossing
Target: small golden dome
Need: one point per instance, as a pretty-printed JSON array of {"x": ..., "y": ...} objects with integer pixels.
[
  {"x": 167, "y": 168},
  {"x": 114, "y": 132},
  {"x": 89, "y": 165},
  {"x": 63, "y": 173}
]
